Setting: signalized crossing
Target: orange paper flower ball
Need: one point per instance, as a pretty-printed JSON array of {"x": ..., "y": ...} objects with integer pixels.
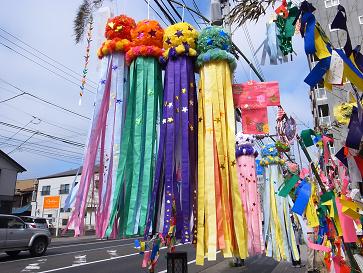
[
  {"x": 119, "y": 27},
  {"x": 147, "y": 33}
]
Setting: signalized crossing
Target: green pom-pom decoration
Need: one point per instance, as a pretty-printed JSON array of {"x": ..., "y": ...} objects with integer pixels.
[
  {"x": 216, "y": 55},
  {"x": 215, "y": 44},
  {"x": 214, "y": 37}
]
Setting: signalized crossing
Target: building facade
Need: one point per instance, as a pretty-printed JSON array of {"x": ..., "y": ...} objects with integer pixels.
[
  {"x": 322, "y": 100},
  {"x": 60, "y": 185},
  {"x": 25, "y": 194},
  {"x": 9, "y": 170}
]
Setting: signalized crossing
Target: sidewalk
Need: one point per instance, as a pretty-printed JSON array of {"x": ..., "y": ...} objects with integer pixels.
[{"x": 258, "y": 264}]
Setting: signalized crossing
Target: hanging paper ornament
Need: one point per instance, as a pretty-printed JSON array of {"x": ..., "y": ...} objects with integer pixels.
[
  {"x": 175, "y": 175},
  {"x": 343, "y": 111},
  {"x": 86, "y": 58},
  {"x": 247, "y": 180},
  {"x": 138, "y": 146},
  {"x": 285, "y": 128},
  {"x": 278, "y": 231},
  {"x": 220, "y": 220},
  {"x": 105, "y": 136}
]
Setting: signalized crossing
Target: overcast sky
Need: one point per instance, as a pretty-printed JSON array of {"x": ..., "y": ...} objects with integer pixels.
[{"x": 47, "y": 26}]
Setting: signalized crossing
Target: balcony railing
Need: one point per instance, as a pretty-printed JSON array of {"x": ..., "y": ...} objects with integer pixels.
[
  {"x": 325, "y": 121},
  {"x": 64, "y": 191},
  {"x": 45, "y": 193},
  {"x": 320, "y": 94}
]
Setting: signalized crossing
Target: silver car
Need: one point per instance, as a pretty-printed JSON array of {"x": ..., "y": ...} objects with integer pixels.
[
  {"x": 16, "y": 236},
  {"x": 35, "y": 222}
]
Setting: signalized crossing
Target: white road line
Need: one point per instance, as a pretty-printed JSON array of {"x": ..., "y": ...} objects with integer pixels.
[
  {"x": 98, "y": 261},
  {"x": 190, "y": 262},
  {"x": 79, "y": 251},
  {"x": 99, "y": 242},
  {"x": 88, "y": 263}
]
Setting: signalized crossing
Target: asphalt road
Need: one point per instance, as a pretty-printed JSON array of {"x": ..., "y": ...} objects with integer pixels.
[{"x": 97, "y": 256}]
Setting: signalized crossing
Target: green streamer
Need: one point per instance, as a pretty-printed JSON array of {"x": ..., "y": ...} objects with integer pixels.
[
  {"x": 306, "y": 136},
  {"x": 289, "y": 184}
]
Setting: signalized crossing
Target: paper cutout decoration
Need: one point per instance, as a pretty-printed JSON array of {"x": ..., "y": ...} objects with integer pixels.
[
  {"x": 347, "y": 224},
  {"x": 175, "y": 180},
  {"x": 255, "y": 121},
  {"x": 303, "y": 193},
  {"x": 247, "y": 180},
  {"x": 252, "y": 93},
  {"x": 253, "y": 98},
  {"x": 278, "y": 231},
  {"x": 217, "y": 170},
  {"x": 103, "y": 140},
  {"x": 288, "y": 186}
]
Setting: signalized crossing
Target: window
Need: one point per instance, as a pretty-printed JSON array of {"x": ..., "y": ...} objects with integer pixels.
[
  {"x": 67, "y": 210},
  {"x": 323, "y": 110},
  {"x": 14, "y": 223},
  {"x": 3, "y": 222},
  {"x": 49, "y": 215},
  {"x": 45, "y": 190},
  {"x": 40, "y": 221},
  {"x": 64, "y": 222},
  {"x": 331, "y": 3},
  {"x": 321, "y": 94},
  {"x": 360, "y": 18},
  {"x": 64, "y": 189}
]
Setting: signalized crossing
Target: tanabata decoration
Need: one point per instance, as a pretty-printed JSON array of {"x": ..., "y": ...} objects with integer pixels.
[
  {"x": 286, "y": 128},
  {"x": 220, "y": 219},
  {"x": 334, "y": 64},
  {"x": 138, "y": 145},
  {"x": 104, "y": 137},
  {"x": 175, "y": 174},
  {"x": 278, "y": 230},
  {"x": 253, "y": 98},
  {"x": 86, "y": 58},
  {"x": 247, "y": 180}
]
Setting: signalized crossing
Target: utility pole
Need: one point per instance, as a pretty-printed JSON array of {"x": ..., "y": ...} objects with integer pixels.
[{"x": 220, "y": 10}]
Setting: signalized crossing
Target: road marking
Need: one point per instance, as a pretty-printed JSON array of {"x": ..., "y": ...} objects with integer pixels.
[
  {"x": 190, "y": 262},
  {"x": 78, "y": 251},
  {"x": 99, "y": 242},
  {"x": 98, "y": 261},
  {"x": 88, "y": 263}
]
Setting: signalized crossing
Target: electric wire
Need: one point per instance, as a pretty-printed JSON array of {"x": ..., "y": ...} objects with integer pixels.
[
  {"x": 161, "y": 18},
  {"x": 42, "y": 53},
  {"x": 28, "y": 51},
  {"x": 61, "y": 139},
  {"x": 56, "y": 73},
  {"x": 44, "y": 100}
]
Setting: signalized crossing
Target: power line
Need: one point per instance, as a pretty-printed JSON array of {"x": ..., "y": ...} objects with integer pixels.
[
  {"x": 25, "y": 141},
  {"x": 59, "y": 125},
  {"x": 70, "y": 142},
  {"x": 45, "y": 55},
  {"x": 161, "y": 18},
  {"x": 191, "y": 15},
  {"x": 19, "y": 130},
  {"x": 13, "y": 97},
  {"x": 166, "y": 14},
  {"x": 169, "y": 11},
  {"x": 56, "y": 67},
  {"x": 56, "y": 73},
  {"x": 44, "y": 100}
]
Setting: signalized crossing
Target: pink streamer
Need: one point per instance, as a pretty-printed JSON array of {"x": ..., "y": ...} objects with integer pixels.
[
  {"x": 250, "y": 201},
  {"x": 347, "y": 224}
]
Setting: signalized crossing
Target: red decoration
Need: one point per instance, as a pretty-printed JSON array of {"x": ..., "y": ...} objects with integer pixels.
[
  {"x": 119, "y": 27},
  {"x": 255, "y": 121}
]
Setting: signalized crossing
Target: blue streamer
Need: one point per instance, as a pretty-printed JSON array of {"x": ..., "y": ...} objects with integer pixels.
[
  {"x": 308, "y": 19},
  {"x": 303, "y": 193},
  {"x": 318, "y": 72}
]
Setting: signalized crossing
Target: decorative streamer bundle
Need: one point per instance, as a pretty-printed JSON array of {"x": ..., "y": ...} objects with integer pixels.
[
  {"x": 138, "y": 146},
  {"x": 86, "y": 58},
  {"x": 106, "y": 127},
  {"x": 175, "y": 175},
  {"x": 278, "y": 231},
  {"x": 221, "y": 222},
  {"x": 246, "y": 171}
]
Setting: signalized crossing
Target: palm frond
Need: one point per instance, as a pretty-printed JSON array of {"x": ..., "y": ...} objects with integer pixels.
[
  {"x": 249, "y": 10},
  {"x": 83, "y": 17}
]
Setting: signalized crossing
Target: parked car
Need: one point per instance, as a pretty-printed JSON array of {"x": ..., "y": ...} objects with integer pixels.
[
  {"x": 16, "y": 236},
  {"x": 35, "y": 222}
]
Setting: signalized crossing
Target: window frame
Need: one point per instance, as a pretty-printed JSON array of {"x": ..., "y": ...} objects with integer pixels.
[
  {"x": 64, "y": 189},
  {"x": 45, "y": 192}
]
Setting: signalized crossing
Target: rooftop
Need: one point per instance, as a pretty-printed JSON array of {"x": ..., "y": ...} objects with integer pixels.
[
  {"x": 68, "y": 173},
  {"x": 12, "y": 162}
]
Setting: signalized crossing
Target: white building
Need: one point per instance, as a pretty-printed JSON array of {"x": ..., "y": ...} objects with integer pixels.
[{"x": 60, "y": 184}]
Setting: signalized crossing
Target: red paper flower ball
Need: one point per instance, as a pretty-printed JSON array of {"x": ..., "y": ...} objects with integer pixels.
[
  {"x": 147, "y": 33},
  {"x": 119, "y": 27}
]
